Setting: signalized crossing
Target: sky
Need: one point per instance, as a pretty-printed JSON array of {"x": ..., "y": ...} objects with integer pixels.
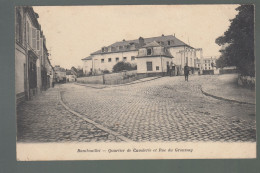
[{"x": 73, "y": 32}]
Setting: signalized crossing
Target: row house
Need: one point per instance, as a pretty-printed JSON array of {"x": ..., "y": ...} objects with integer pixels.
[
  {"x": 129, "y": 51},
  {"x": 33, "y": 69}
]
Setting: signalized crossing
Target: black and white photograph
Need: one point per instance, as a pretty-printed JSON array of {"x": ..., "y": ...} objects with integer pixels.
[{"x": 135, "y": 82}]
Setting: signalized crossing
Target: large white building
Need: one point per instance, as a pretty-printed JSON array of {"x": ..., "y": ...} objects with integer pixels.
[
  {"x": 206, "y": 63},
  {"x": 131, "y": 50}
]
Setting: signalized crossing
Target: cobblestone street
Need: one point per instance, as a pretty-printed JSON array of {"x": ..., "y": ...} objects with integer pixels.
[
  {"x": 44, "y": 119},
  {"x": 164, "y": 109}
]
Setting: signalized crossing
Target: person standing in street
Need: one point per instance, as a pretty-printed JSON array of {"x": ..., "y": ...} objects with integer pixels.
[
  {"x": 168, "y": 70},
  {"x": 186, "y": 72},
  {"x": 171, "y": 69}
]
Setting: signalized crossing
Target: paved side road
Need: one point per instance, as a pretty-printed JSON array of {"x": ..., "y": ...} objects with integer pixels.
[
  {"x": 44, "y": 119},
  {"x": 165, "y": 109}
]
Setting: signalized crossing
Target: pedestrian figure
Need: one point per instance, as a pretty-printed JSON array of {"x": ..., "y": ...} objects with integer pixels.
[
  {"x": 168, "y": 69},
  {"x": 186, "y": 72},
  {"x": 171, "y": 68}
]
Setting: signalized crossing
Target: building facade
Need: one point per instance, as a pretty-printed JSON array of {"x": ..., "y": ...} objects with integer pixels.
[
  {"x": 206, "y": 63},
  {"x": 153, "y": 58},
  {"x": 128, "y": 51},
  {"x": 29, "y": 54}
]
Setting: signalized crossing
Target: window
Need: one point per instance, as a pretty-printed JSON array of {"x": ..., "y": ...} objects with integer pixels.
[
  {"x": 109, "y": 59},
  {"x": 102, "y": 60},
  {"x": 149, "y": 51},
  {"x": 38, "y": 40},
  {"x": 157, "y": 68},
  {"x": 34, "y": 38},
  {"x": 117, "y": 59},
  {"x": 19, "y": 32},
  {"x": 132, "y": 58},
  {"x": 149, "y": 66},
  {"x": 125, "y": 58},
  {"x": 169, "y": 42}
]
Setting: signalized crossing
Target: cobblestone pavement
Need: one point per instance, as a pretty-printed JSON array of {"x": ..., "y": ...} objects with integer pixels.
[
  {"x": 44, "y": 119},
  {"x": 165, "y": 109}
]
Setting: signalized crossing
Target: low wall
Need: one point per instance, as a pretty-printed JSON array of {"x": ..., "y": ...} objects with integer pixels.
[
  {"x": 91, "y": 80},
  {"x": 227, "y": 71},
  {"x": 112, "y": 79},
  {"x": 246, "y": 81}
]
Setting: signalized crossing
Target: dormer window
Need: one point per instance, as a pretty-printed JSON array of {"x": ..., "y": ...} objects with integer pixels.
[{"x": 149, "y": 51}]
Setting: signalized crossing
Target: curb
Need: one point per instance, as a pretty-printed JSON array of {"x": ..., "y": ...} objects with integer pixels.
[
  {"x": 225, "y": 99},
  {"x": 117, "y": 135}
]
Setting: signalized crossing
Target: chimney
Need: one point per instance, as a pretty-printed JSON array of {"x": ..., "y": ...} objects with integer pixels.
[
  {"x": 123, "y": 39},
  {"x": 162, "y": 35},
  {"x": 174, "y": 34},
  {"x": 141, "y": 41}
]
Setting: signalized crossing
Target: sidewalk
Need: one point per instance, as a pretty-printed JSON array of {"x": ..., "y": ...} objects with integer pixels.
[{"x": 225, "y": 87}]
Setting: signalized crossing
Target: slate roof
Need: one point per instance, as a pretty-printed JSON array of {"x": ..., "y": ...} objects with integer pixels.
[
  {"x": 175, "y": 43},
  {"x": 152, "y": 44}
]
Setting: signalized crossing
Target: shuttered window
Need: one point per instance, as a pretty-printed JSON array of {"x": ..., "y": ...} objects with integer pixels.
[
  {"x": 34, "y": 37},
  {"x": 38, "y": 41}
]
